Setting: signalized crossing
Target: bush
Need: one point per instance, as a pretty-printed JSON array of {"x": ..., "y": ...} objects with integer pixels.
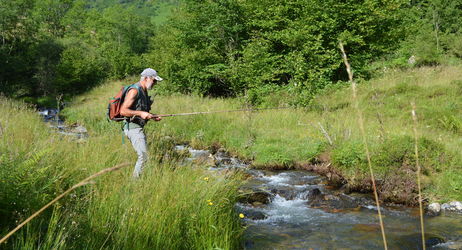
[
  {"x": 394, "y": 153},
  {"x": 349, "y": 155},
  {"x": 80, "y": 67},
  {"x": 399, "y": 152},
  {"x": 268, "y": 96}
]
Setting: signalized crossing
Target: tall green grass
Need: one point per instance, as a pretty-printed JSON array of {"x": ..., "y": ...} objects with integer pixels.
[
  {"x": 166, "y": 209},
  {"x": 282, "y": 137}
]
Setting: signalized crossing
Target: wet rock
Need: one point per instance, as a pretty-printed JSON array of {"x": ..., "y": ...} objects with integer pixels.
[
  {"x": 202, "y": 157},
  {"x": 454, "y": 206},
  {"x": 345, "y": 189},
  {"x": 258, "y": 204},
  {"x": 251, "y": 196},
  {"x": 79, "y": 129},
  {"x": 413, "y": 240},
  {"x": 434, "y": 209},
  {"x": 307, "y": 180},
  {"x": 317, "y": 199},
  {"x": 248, "y": 244},
  {"x": 224, "y": 161},
  {"x": 255, "y": 215},
  {"x": 315, "y": 194},
  {"x": 433, "y": 241},
  {"x": 49, "y": 114},
  {"x": 288, "y": 193},
  {"x": 454, "y": 245}
]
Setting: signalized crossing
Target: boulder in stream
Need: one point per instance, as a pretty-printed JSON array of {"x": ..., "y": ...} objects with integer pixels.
[
  {"x": 252, "y": 196},
  {"x": 453, "y": 206},
  {"x": 289, "y": 192},
  {"x": 255, "y": 215},
  {"x": 433, "y": 209},
  {"x": 342, "y": 201},
  {"x": 413, "y": 240}
]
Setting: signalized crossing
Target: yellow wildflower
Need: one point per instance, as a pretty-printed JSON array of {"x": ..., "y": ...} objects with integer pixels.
[
  {"x": 241, "y": 216},
  {"x": 206, "y": 178},
  {"x": 210, "y": 203}
]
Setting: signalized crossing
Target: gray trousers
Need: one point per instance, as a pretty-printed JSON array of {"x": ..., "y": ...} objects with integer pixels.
[{"x": 138, "y": 140}]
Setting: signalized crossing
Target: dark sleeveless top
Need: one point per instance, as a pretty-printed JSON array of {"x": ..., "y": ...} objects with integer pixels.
[{"x": 143, "y": 102}]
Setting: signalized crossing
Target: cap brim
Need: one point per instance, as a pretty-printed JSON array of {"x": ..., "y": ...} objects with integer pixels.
[{"x": 158, "y": 78}]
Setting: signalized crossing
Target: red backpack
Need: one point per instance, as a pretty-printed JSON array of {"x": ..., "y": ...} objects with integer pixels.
[{"x": 115, "y": 103}]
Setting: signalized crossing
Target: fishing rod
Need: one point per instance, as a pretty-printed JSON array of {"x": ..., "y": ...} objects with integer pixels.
[
  {"x": 218, "y": 111},
  {"x": 203, "y": 113}
]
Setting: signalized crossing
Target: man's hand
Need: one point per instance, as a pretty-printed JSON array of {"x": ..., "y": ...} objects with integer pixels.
[
  {"x": 157, "y": 118},
  {"x": 147, "y": 116}
]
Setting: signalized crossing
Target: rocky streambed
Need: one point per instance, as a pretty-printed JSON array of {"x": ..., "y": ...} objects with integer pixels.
[
  {"x": 297, "y": 209},
  {"x": 51, "y": 117}
]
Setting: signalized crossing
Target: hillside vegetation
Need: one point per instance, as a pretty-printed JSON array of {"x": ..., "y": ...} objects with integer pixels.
[
  {"x": 217, "y": 48},
  {"x": 287, "y": 138}
]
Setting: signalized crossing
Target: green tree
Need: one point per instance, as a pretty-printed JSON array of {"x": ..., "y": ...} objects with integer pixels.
[{"x": 229, "y": 47}]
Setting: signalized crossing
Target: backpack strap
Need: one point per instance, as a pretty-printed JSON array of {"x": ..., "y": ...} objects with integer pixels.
[
  {"x": 127, "y": 88},
  {"x": 132, "y": 86}
]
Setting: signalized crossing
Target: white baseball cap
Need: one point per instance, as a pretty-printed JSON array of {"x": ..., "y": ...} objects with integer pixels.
[{"x": 151, "y": 73}]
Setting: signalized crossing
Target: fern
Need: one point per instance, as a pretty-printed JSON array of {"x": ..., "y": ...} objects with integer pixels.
[{"x": 35, "y": 158}]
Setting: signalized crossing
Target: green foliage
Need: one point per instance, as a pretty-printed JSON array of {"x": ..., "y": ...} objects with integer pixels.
[
  {"x": 218, "y": 48},
  {"x": 55, "y": 236},
  {"x": 55, "y": 47},
  {"x": 432, "y": 32},
  {"x": 399, "y": 151},
  {"x": 403, "y": 88},
  {"x": 78, "y": 69},
  {"x": 349, "y": 155},
  {"x": 451, "y": 123},
  {"x": 267, "y": 96},
  {"x": 393, "y": 154},
  {"x": 229, "y": 47}
]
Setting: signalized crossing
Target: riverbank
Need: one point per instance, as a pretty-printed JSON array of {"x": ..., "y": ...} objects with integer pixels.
[
  {"x": 169, "y": 208},
  {"x": 327, "y": 131}
]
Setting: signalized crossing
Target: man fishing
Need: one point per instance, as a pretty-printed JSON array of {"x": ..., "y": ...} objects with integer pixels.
[{"x": 135, "y": 109}]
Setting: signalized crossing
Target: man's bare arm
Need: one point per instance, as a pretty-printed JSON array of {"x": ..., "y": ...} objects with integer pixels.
[{"x": 128, "y": 102}]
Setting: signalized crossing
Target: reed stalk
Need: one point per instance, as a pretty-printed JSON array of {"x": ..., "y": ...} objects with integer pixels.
[
  {"x": 81, "y": 183},
  {"x": 414, "y": 118},
  {"x": 366, "y": 147}
]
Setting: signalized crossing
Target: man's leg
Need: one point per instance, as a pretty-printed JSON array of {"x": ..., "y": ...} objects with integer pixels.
[{"x": 138, "y": 140}]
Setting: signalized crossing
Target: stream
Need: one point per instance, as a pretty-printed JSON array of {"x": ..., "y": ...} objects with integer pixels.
[
  {"x": 51, "y": 117},
  {"x": 296, "y": 209}
]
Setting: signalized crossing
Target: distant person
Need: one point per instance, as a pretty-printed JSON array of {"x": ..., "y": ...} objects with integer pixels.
[{"x": 135, "y": 108}]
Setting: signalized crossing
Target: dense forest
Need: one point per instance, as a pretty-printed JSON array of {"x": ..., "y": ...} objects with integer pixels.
[{"x": 219, "y": 47}]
